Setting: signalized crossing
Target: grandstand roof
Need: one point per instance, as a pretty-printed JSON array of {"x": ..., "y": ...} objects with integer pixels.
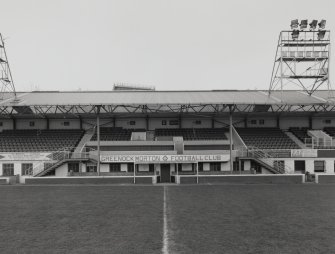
[{"x": 83, "y": 102}]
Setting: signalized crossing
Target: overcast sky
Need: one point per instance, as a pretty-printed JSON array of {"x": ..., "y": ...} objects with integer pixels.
[{"x": 169, "y": 44}]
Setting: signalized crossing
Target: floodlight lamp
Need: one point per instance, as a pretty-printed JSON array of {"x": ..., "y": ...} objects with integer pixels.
[
  {"x": 303, "y": 24},
  {"x": 313, "y": 24},
  {"x": 294, "y": 24},
  {"x": 322, "y": 24},
  {"x": 295, "y": 34},
  {"x": 321, "y": 34}
]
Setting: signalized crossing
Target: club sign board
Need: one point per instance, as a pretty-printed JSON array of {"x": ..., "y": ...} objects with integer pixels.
[{"x": 144, "y": 159}]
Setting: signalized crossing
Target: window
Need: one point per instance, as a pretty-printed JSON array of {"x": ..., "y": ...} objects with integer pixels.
[
  {"x": 253, "y": 122},
  {"x": 26, "y": 169},
  {"x": 200, "y": 166},
  {"x": 1, "y": 124},
  {"x": 132, "y": 122},
  {"x": 173, "y": 122},
  {"x": 114, "y": 167},
  {"x": 319, "y": 166},
  {"x": 327, "y": 121},
  {"x": 91, "y": 168},
  {"x": 8, "y": 169},
  {"x": 151, "y": 167},
  {"x": 31, "y": 123},
  {"x": 163, "y": 122},
  {"x": 261, "y": 122},
  {"x": 66, "y": 123},
  {"x": 215, "y": 166},
  {"x": 197, "y": 122},
  {"x": 179, "y": 167},
  {"x": 279, "y": 165},
  {"x": 73, "y": 167},
  {"x": 130, "y": 167}
]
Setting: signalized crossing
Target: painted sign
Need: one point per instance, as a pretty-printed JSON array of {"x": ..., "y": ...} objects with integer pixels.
[
  {"x": 25, "y": 156},
  {"x": 304, "y": 153},
  {"x": 163, "y": 158}
]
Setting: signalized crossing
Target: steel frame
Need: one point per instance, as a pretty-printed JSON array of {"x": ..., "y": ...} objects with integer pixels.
[
  {"x": 127, "y": 110},
  {"x": 6, "y": 79},
  {"x": 296, "y": 60}
]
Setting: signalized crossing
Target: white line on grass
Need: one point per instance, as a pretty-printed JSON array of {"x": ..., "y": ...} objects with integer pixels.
[{"x": 165, "y": 248}]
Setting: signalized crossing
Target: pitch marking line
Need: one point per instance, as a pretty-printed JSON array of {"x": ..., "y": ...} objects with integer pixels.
[{"x": 165, "y": 249}]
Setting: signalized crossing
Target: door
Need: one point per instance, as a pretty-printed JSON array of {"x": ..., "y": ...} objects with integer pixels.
[
  {"x": 299, "y": 166},
  {"x": 165, "y": 173}
]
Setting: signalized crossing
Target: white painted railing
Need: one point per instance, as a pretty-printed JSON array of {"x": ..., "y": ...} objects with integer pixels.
[
  {"x": 265, "y": 157},
  {"x": 320, "y": 143}
]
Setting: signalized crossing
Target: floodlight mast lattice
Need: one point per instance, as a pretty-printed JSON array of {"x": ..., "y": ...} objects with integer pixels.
[
  {"x": 6, "y": 79},
  {"x": 302, "y": 58}
]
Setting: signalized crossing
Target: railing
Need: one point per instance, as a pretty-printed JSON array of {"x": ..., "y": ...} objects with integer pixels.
[
  {"x": 59, "y": 156},
  {"x": 266, "y": 157},
  {"x": 320, "y": 143},
  {"x": 56, "y": 157}
]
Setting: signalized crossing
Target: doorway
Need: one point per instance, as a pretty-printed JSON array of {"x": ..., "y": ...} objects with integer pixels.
[
  {"x": 165, "y": 173},
  {"x": 300, "y": 166}
]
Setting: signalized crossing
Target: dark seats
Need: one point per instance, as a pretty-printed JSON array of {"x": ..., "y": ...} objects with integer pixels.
[
  {"x": 300, "y": 133},
  {"x": 39, "y": 140},
  {"x": 330, "y": 131},
  {"x": 266, "y": 138}
]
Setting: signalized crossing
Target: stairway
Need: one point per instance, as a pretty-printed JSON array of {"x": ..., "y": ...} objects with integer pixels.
[
  {"x": 296, "y": 140},
  {"x": 86, "y": 137}
]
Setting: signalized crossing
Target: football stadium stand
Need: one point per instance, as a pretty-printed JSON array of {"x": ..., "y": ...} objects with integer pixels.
[
  {"x": 266, "y": 138},
  {"x": 300, "y": 133},
  {"x": 153, "y": 136},
  {"x": 38, "y": 140}
]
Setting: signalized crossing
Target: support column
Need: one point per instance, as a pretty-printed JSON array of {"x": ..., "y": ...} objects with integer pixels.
[
  {"x": 197, "y": 165},
  {"x": 135, "y": 165},
  {"x": 14, "y": 123},
  {"x": 48, "y": 123},
  {"x": 147, "y": 122},
  {"x": 98, "y": 138},
  {"x": 80, "y": 123},
  {"x": 231, "y": 138}
]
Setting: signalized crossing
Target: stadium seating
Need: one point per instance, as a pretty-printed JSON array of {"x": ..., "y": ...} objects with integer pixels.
[
  {"x": 266, "y": 138},
  {"x": 115, "y": 134},
  {"x": 300, "y": 133},
  {"x": 193, "y": 134},
  {"x": 38, "y": 140},
  {"x": 330, "y": 131}
]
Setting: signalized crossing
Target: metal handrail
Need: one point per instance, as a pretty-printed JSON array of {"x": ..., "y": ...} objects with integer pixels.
[
  {"x": 264, "y": 156},
  {"x": 57, "y": 156}
]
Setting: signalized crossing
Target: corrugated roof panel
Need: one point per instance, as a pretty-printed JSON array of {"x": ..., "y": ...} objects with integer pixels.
[{"x": 164, "y": 97}]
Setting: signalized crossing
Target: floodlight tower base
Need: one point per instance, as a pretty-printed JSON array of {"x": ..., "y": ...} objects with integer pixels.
[{"x": 7, "y": 87}]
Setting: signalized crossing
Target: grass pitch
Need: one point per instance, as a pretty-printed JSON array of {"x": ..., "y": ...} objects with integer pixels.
[{"x": 200, "y": 219}]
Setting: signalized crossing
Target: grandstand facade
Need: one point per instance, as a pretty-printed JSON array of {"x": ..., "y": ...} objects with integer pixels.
[{"x": 165, "y": 136}]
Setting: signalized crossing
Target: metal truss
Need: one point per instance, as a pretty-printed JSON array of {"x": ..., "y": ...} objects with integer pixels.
[
  {"x": 302, "y": 61},
  {"x": 7, "y": 87},
  {"x": 172, "y": 109}
]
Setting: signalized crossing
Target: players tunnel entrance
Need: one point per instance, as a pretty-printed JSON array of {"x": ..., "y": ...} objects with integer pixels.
[{"x": 165, "y": 176}]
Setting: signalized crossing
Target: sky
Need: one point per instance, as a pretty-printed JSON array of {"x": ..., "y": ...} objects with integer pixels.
[{"x": 71, "y": 45}]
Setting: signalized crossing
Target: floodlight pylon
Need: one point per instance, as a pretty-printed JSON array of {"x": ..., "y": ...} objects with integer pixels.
[
  {"x": 302, "y": 64},
  {"x": 6, "y": 81}
]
